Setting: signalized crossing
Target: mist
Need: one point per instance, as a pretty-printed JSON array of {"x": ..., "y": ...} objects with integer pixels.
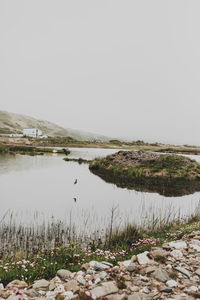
[{"x": 125, "y": 69}]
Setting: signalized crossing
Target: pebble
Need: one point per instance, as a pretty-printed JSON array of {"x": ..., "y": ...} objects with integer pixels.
[{"x": 175, "y": 275}]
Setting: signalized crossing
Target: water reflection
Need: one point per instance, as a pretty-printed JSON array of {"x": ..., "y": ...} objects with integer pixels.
[{"x": 45, "y": 184}]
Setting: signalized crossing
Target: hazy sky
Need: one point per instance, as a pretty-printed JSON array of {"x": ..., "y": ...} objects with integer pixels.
[{"x": 120, "y": 68}]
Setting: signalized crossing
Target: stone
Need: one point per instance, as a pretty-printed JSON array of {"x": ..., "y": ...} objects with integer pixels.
[
  {"x": 177, "y": 254},
  {"x": 134, "y": 289},
  {"x": 97, "y": 266},
  {"x": 18, "y": 284},
  {"x": 85, "y": 267},
  {"x": 107, "y": 264},
  {"x": 104, "y": 289},
  {"x": 178, "y": 244},
  {"x": 143, "y": 259},
  {"x": 42, "y": 285},
  {"x": 183, "y": 271},
  {"x": 133, "y": 258},
  {"x": 52, "y": 285},
  {"x": 64, "y": 274},
  {"x": 171, "y": 283},
  {"x": 103, "y": 275},
  {"x": 132, "y": 267},
  {"x": 71, "y": 286},
  {"x": 161, "y": 275},
  {"x": 81, "y": 279},
  {"x": 126, "y": 263},
  {"x": 14, "y": 297},
  {"x": 197, "y": 272},
  {"x": 159, "y": 252},
  {"x": 31, "y": 293},
  {"x": 115, "y": 297},
  {"x": 192, "y": 289},
  {"x": 135, "y": 296},
  {"x": 195, "y": 247},
  {"x": 166, "y": 290},
  {"x": 150, "y": 269}
]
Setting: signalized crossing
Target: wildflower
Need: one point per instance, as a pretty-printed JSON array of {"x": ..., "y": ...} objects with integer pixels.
[{"x": 21, "y": 293}]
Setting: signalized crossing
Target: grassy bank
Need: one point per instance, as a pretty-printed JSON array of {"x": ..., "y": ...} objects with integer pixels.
[
  {"x": 67, "y": 141},
  {"x": 169, "y": 175},
  {"x": 118, "y": 245},
  {"x": 30, "y": 150}
]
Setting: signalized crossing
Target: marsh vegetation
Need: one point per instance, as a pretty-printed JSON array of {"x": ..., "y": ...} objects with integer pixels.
[{"x": 169, "y": 175}]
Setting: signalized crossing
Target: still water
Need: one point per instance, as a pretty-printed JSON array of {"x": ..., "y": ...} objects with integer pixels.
[{"x": 44, "y": 186}]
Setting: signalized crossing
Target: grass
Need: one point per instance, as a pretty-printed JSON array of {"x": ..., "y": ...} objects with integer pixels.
[
  {"x": 30, "y": 253},
  {"x": 78, "y": 160},
  {"x": 169, "y": 175},
  {"x": 30, "y": 150}
]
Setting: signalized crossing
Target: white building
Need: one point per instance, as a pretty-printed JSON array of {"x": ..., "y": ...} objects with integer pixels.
[{"x": 32, "y": 132}]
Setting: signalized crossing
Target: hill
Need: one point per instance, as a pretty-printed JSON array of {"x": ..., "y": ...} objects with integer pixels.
[{"x": 15, "y": 123}]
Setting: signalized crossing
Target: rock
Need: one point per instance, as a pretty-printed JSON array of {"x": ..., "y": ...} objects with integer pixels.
[
  {"x": 132, "y": 267},
  {"x": 178, "y": 244},
  {"x": 103, "y": 275},
  {"x": 104, "y": 289},
  {"x": 161, "y": 275},
  {"x": 166, "y": 290},
  {"x": 133, "y": 258},
  {"x": 31, "y": 293},
  {"x": 52, "y": 286},
  {"x": 171, "y": 283},
  {"x": 42, "y": 285},
  {"x": 143, "y": 258},
  {"x": 159, "y": 252},
  {"x": 85, "y": 267},
  {"x": 134, "y": 289},
  {"x": 177, "y": 254},
  {"x": 14, "y": 297},
  {"x": 125, "y": 263},
  {"x": 81, "y": 279},
  {"x": 183, "y": 271},
  {"x": 197, "y": 272},
  {"x": 195, "y": 247},
  {"x": 64, "y": 274},
  {"x": 192, "y": 289},
  {"x": 71, "y": 286},
  {"x": 135, "y": 296},
  {"x": 150, "y": 269},
  {"x": 115, "y": 297},
  {"x": 97, "y": 266},
  {"x": 107, "y": 264},
  {"x": 18, "y": 284}
]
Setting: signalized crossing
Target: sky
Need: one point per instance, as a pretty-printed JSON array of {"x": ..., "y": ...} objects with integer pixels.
[{"x": 128, "y": 68}]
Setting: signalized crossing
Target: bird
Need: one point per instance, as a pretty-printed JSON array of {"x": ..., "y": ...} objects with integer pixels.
[
  {"x": 75, "y": 182},
  {"x": 75, "y": 200}
]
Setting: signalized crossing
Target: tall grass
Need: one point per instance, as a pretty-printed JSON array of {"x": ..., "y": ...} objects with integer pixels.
[{"x": 43, "y": 235}]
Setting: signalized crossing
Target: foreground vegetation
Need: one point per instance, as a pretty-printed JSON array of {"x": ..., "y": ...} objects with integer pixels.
[
  {"x": 169, "y": 175},
  {"x": 118, "y": 245}
]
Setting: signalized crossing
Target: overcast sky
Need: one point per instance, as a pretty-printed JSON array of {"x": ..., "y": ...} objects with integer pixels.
[{"x": 119, "y": 68}]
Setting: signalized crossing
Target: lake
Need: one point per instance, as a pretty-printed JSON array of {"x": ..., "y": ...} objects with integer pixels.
[{"x": 39, "y": 187}]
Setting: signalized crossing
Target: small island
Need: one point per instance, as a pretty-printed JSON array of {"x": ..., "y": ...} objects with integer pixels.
[{"x": 166, "y": 174}]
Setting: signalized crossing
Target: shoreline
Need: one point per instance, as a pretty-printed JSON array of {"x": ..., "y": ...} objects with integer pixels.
[
  {"x": 25, "y": 276},
  {"x": 113, "y": 144}
]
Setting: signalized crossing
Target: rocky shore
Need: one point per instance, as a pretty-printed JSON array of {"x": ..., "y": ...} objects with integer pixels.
[{"x": 170, "y": 272}]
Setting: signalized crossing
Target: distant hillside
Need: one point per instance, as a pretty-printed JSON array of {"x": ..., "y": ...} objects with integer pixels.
[{"x": 15, "y": 123}]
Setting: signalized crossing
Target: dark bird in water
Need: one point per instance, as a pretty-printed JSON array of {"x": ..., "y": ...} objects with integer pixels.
[
  {"x": 75, "y": 182},
  {"x": 75, "y": 200}
]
